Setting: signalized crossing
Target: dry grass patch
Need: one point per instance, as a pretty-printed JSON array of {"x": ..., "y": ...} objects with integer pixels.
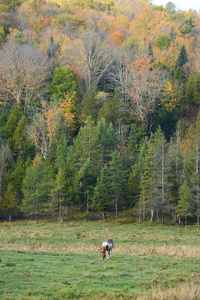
[
  {"x": 186, "y": 291},
  {"x": 80, "y": 247}
]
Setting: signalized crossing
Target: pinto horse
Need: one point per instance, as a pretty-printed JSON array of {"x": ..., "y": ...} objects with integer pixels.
[{"x": 107, "y": 246}]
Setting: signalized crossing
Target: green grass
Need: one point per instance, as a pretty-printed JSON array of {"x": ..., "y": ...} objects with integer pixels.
[{"x": 54, "y": 261}]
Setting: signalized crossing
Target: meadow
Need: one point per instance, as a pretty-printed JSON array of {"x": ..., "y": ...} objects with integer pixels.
[{"x": 63, "y": 261}]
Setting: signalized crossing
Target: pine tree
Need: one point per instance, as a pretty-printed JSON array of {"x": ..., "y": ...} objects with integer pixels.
[
  {"x": 181, "y": 61},
  {"x": 86, "y": 178},
  {"x": 150, "y": 52},
  {"x": 196, "y": 176},
  {"x": 161, "y": 173},
  {"x": 135, "y": 176},
  {"x": 182, "y": 58},
  {"x": 147, "y": 202},
  {"x": 103, "y": 196},
  {"x": 131, "y": 148},
  {"x": 183, "y": 208},
  {"x": 5, "y": 160},
  {"x": 35, "y": 189},
  {"x": 10, "y": 203},
  {"x": 90, "y": 105},
  {"x": 106, "y": 141},
  {"x": 12, "y": 122},
  {"x": 57, "y": 192},
  {"x": 118, "y": 178}
]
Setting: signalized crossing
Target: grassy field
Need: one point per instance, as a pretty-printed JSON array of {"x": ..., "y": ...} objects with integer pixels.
[{"x": 63, "y": 261}]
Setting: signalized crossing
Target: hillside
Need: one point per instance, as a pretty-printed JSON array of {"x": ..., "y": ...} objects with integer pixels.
[{"x": 99, "y": 108}]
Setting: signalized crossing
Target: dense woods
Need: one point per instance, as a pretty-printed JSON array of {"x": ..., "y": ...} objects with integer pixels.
[{"x": 99, "y": 109}]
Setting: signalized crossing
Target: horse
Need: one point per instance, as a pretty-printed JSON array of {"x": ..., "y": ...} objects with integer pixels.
[{"x": 107, "y": 246}]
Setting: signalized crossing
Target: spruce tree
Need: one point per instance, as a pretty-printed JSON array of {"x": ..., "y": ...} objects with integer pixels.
[
  {"x": 184, "y": 206},
  {"x": 177, "y": 73},
  {"x": 10, "y": 203},
  {"x": 36, "y": 189},
  {"x": 103, "y": 194},
  {"x": 118, "y": 178}
]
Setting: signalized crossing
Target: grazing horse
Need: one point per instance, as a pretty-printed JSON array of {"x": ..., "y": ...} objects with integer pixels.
[{"x": 107, "y": 246}]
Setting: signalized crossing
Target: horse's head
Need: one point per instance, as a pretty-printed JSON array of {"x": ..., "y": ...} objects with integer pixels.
[{"x": 103, "y": 251}]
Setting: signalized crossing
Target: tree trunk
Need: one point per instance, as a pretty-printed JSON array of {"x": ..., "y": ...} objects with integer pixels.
[
  {"x": 10, "y": 217},
  {"x": 104, "y": 215},
  {"x": 140, "y": 215},
  {"x": 87, "y": 200},
  {"x": 61, "y": 219},
  {"x": 67, "y": 210},
  {"x": 162, "y": 217},
  {"x": 197, "y": 220},
  {"x": 37, "y": 204},
  {"x": 143, "y": 215},
  {"x": 185, "y": 220},
  {"x": 116, "y": 206},
  {"x": 152, "y": 214}
]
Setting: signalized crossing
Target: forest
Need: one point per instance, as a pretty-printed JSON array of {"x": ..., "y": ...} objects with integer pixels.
[{"x": 99, "y": 110}]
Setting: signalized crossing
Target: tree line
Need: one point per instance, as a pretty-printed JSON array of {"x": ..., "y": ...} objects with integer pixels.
[{"x": 102, "y": 114}]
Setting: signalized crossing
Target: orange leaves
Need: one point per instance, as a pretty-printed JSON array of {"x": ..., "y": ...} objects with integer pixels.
[
  {"x": 118, "y": 36},
  {"x": 64, "y": 106}
]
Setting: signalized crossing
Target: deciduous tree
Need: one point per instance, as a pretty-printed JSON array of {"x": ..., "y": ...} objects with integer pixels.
[{"x": 23, "y": 73}]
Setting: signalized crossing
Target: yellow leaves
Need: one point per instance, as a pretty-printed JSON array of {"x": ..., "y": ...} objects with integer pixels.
[
  {"x": 187, "y": 142},
  {"x": 170, "y": 98},
  {"x": 37, "y": 27},
  {"x": 2, "y": 35},
  {"x": 67, "y": 108},
  {"x": 64, "y": 106}
]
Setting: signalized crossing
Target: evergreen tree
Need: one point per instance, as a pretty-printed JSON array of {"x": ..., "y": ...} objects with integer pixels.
[
  {"x": 193, "y": 88},
  {"x": 5, "y": 160},
  {"x": 36, "y": 189},
  {"x": 57, "y": 192},
  {"x": 70, "y": 184},
  {"x": 162, "y": 186},
  {"x": 106, "y": 141},
  {"x": 13, "y": 120},
  {"x": 22, "y": 146},
  {"x": 177, "y": 175},
  {"x": 103, "y": 194},
  {"x": 90, "y": 105},
  {"x": 87, "y": 179},
  {"x": 147, "y": 201},
  {"x": 65, "y": 81},
  {"x": 184, "y": 207},
  {"x": 118, "y": 178},
  {"x": 196, "y": 176},
  {"x": 85, "y": 145},
  {"x": 135, "y": 176},
  {"x": 51, "y": 48},
  {"x": 60, "y": 141},
  {"x": 114, "y": 109},
  {"x": 16, "y": 177},
  {"x": 150, "y": 52},
  {"x": 131, "y": 148},
  {"x": 10, "y": 203},
  {"x": 181, "y": 61},
  {"x": 182, "y": 58}
]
